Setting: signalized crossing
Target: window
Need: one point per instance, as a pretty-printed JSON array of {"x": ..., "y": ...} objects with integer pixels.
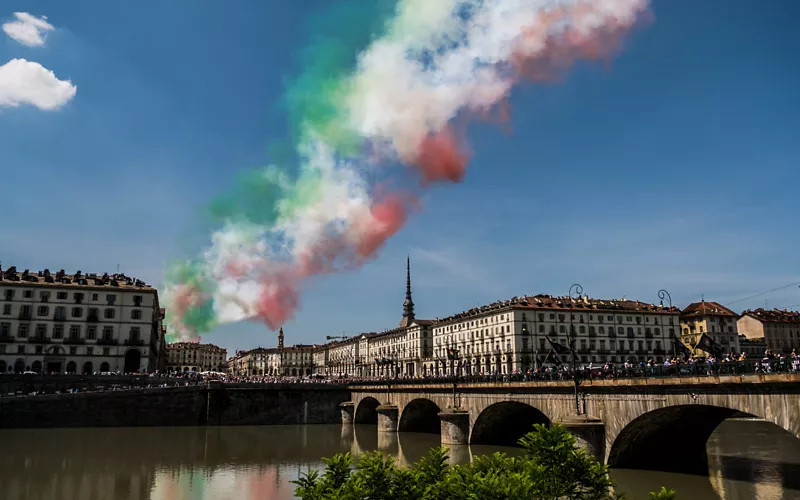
[
  {"x": 111, "y": 299},
  {"x": 9, "y": 294},
  {"x": 94, "y": 296},
  {"x": 39, "y": 349},
  {"x": 89, "y": 351},
  {"x": 42, "y": 311},
  {"x": 136, "y": 314},
  {"x": 22, "y": 331},
  {"x": 91, "y": 333},
  {"x": 109, "y": 313},
  {"x": 5, "y": 329},
  {"x": 60, "y": 313},
  {"x": 58, "y": 332},
  {"x": 134, "y": 335},
  {"x": 106, "y": 352},
  {"x": 73, "y": 350},
  {"x": 108, "y": 332},
  {"x": 27, "y": 294},
  {"x": 77, "y": 312},
  {"x": 78, "y": 298},
  {"x": 41, "y": 330},
  {"x": 75, "y": 331},
  {"x": 93, "y": 314},
  {"x": 20, "y": 349},
  {"x": 6, "y": 309},
  {"x": 62, "y": 295}
]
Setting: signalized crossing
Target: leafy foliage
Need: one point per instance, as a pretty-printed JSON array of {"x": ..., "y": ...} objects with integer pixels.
[{"x": 553, "y": 468}]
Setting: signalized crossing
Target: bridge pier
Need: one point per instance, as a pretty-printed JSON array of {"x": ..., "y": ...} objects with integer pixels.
[
  {"x": 348, "y": 410},
  {"x": 387, "y": 417},
  {"x": 455, "y": 427},
  {"x": 589, "y": 432}
]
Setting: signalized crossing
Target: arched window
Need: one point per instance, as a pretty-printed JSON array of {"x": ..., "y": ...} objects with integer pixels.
[
  {"x": 104, "y": 367},
  {"x": 71, "y": 367}
]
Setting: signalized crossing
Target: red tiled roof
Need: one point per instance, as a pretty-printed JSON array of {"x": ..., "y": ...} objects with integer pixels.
[
  {"x": 548, "y": 302},
  {"x": 773, "y": 315},
  {"x": 706, "y": 308}
]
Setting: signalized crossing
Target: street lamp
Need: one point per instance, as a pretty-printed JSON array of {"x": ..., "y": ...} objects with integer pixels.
[
  {"x": 663, "y": 294},
  {"x": 455, "y": 356},
  {"x": 575, "y": 289}
]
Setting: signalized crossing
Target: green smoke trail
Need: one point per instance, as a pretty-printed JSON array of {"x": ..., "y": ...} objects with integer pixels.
[
  {"x": 315, "y": 98},
  {"x": 193, "y": 274},
  {"x": 314, "y": 102}
]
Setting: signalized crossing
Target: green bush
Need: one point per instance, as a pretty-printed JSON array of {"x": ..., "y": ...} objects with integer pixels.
[{"x": 552, "y": 468}]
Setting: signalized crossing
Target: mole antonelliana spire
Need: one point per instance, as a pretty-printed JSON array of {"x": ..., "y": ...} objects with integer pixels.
[{"x": 408, "y": 304}]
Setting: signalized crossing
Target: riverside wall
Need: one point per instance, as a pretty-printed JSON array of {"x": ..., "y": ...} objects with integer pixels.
[{"x": 215, "y": 404}]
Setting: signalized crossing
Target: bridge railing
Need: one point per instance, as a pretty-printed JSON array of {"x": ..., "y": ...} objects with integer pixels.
[{"x": 701, "y": 369}]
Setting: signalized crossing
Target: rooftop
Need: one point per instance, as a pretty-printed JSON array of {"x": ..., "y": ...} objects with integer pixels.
[
  {"x": 549, "y": 302},
  {"x": 704, "y": 308},
  {"x": 773, "y": 315},
  {"x": 78, "y": 279},
  {"x": 194, "y": 345}
]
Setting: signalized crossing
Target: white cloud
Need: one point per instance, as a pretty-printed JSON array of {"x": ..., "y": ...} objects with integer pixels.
[
  {"x": 28, "y": 29},
  {"x": 27, "y": 82}
]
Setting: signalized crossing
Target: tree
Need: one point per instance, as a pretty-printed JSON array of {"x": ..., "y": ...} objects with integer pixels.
[{"x": 553, "y": 467}]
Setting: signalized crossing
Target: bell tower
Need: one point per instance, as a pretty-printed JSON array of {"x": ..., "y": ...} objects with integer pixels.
[{"x": 280, "y": 339}]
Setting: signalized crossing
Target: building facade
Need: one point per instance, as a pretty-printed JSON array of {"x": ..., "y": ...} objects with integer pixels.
[
  {"x": 514, "y": 336},
  {"x": 195, "y": 357},
  {"x": 780, "y": 329},
  {"x": 78, "y": 323},
  {"x": 712, "y": 319},
  {"x": 293, "y": 361},
  {"x": 754, "y": 348}
]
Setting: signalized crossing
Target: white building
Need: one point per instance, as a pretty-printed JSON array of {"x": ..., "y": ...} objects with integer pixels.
[
  {"x": 195, "y": 357},
  {"x": 78, "y": 323},
  {"x": 779, "y": 329},
  {"x": 512, "y": 336}
]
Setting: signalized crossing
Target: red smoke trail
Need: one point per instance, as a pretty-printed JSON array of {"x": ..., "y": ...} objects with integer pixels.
[
  {"x": 280, "y": 289},
  {"x": 441, "y": 158}
]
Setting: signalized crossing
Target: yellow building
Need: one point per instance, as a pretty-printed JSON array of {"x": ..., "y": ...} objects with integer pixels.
[{"x": 713, "y": 319}]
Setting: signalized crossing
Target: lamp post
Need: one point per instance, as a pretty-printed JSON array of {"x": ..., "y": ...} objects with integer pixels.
[
  {"x": 455, "y": 355},
  {"x": 575, "y": 289},
  {"x": 663, "y": 294}
]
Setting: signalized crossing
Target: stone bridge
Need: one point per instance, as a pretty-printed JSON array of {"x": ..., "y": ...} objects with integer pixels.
[{"x": 653, "y": 424}]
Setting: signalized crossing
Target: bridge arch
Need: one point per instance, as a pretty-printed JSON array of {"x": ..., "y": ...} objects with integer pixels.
[
  {"x": 670, "y": 439},
  {"x": 366, "y": 411},
  {"x": 502, "y": 424},
  {"x": 420, "y": 415}
]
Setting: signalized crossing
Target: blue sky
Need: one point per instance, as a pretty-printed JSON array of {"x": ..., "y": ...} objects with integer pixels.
[{"x": 674, "y": 167}]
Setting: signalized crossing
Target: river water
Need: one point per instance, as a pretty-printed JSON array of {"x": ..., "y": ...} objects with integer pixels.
[{"x": 749, "y": 459}]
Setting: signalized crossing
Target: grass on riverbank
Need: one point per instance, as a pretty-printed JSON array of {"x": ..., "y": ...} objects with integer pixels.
[{"x": 552, "y": 468}]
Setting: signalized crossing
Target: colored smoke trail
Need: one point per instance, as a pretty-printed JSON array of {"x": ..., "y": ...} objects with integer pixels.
[{"x": 385, "y": 92}]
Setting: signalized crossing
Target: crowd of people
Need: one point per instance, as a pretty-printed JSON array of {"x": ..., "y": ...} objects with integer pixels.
[{"x": 728, "y": 364}]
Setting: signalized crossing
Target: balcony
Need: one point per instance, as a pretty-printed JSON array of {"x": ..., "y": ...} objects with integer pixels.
[
  {"x": 138, "y": 342},
  {"x": 631, "y": 335},
  {"x": 648, "y": 335},
  {"x": 6, "y": 339},
  {"x": 60, "y": 317},
  {"x": 107, "y": 342},
  {"x": 93, "y": 318},
  {"x": 74, "y": 340},
  {"x": 24, "y": 315},
  {"x": 39, "y": 340}
]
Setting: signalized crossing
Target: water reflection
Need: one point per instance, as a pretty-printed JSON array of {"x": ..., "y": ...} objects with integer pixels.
[{"x": 749, "y": 460}]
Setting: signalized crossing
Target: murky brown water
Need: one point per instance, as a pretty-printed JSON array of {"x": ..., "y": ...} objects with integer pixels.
[{"x": 749, "y": 460}]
